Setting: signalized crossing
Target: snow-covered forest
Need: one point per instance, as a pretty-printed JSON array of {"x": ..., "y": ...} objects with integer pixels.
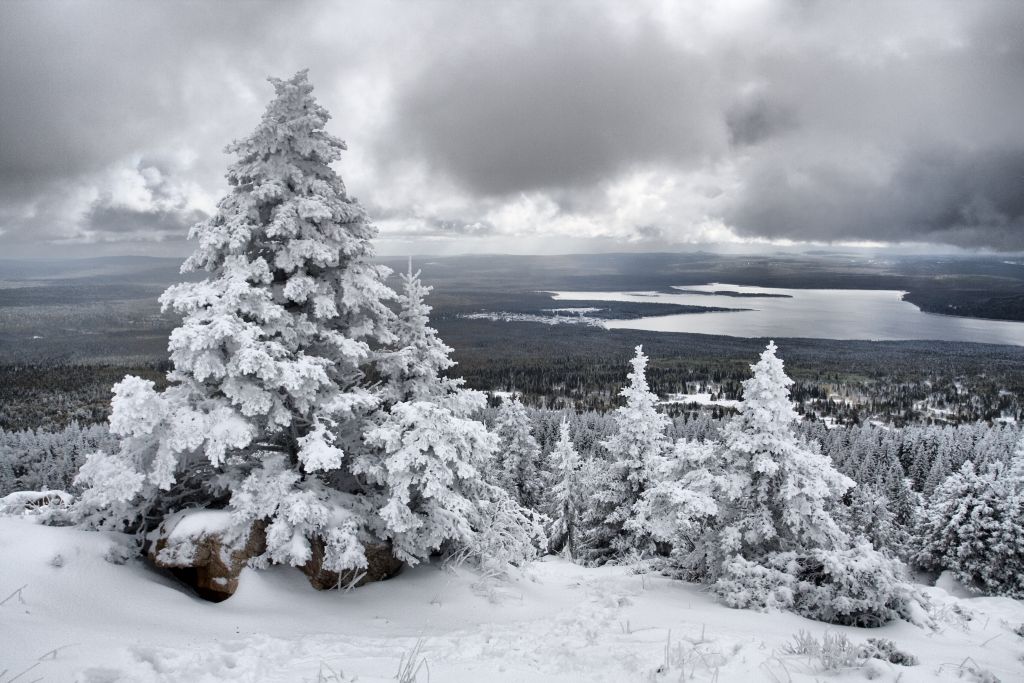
[{"x": 313, "y": 421}]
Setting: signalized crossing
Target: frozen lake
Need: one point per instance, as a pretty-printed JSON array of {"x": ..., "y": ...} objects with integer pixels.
[{"x": 868, "y": 314}]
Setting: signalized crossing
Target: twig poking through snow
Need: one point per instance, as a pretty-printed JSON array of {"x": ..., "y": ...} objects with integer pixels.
[
  {"x": 18, "y": 593},
  {"x": 410, "y": 664}
]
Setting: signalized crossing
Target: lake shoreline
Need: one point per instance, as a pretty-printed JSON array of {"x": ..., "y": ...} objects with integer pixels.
[{"x": 840, "y": 314}]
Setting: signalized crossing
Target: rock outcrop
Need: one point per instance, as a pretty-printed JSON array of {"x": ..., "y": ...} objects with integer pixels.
[
  {"x": 195, "y": 546},
  {"x": 203, "y": 549},
  {"x": 381, "y": 565}
]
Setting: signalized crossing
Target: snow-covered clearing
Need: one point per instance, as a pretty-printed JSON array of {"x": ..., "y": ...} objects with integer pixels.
[
  {"x": 79, "y": 617},
  {"x": 703, "y": 399}
]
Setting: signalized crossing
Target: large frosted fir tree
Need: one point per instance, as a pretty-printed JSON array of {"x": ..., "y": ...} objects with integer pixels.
[
  {"x": 639, "y": 442},
  {"x": 431, "y": 454},
  {"x": 779, "y": 489},
  {"x": 266, "y": 397}
]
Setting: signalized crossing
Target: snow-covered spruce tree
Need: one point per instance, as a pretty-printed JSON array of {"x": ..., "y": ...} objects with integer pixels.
[
  {"x": 640, "y": 440},
  {"x": 1015, "y": 473},
  {"x": 755, "y": 517},
  {"x": 266, "y": 397},
  {"x": 973, "y": 524},
  {"x": 413, "y": 368},
  {"x": 566, "y": 502},
  {"x": 429, "y": 454},
  {"x": 518, "y": 466},
  {"x": 869, "y": 513},
  {"x": 781, "y": 488},
  {"x": 680, "y": 508},
  {"x": 939, "y": 472}
]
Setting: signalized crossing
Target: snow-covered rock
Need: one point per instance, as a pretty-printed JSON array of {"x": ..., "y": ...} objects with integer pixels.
[
  {"x": 380, "y": 565},
  {"x": 199, "y": 548}
]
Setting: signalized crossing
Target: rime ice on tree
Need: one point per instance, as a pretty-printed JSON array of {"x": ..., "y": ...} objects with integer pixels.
[
  {"x": 780, "y": 488},
  {"x": 754, "y": 516},
  {"x": 266, "y": 398},
  {"x": 518, "y": 467},
  {"x": 973, "y": 525},
  {"x": 640, "y": 439},
  {"x": 413, "y": 370},
  {"x": 432, "y": 453},
  {"x": 566, "y": 494}
]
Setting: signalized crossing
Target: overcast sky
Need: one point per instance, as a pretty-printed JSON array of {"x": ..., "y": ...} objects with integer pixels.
[{"x": 528, "y": 126}]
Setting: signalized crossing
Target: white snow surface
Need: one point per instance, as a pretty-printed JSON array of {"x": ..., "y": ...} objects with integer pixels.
[
  {"x": 193, "y": 524},
  {"x": 87, "y": 620},
  {"x": 703, "y": 399}
]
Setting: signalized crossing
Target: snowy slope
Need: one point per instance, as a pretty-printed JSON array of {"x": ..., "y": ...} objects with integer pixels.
[{"x": 93, "y": 621}]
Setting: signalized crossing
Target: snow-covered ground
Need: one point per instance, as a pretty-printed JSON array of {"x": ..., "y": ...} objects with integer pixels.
[
  {"x": 79, "y": 617},
  {"x": 553, "y": 319},
  {"x": 703, "y": 399}
]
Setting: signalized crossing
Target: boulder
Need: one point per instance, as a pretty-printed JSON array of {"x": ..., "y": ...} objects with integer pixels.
[
  {"x": 381, "y": 565},
  {"x": 198, "y": 548}
]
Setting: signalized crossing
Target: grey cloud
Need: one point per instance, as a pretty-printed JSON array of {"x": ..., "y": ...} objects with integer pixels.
[
  {"x": 440, "y": 227},
  {"x": 158, "y": 211},
  {"x": 84, "y": 83},
  {"x": 968, "y": 198},
  {"x": 108, "y": 222},
  {"x": 816, "y": 121},
  {"x": 754, "y": 119},
  {"x": 572, "y": 106}
]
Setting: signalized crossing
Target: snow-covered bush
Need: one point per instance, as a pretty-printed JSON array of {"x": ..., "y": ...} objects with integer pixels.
[
  {"x": 974, "y": 525},
  {"x": 887, "y": 651},
  {"x": 508, "y": 535},
  {"x": 680, "y": 508},
  {"x": 45, "y": 507},
  {"x": 835, "y": 652},
  {"x": 858, "y": 586}
]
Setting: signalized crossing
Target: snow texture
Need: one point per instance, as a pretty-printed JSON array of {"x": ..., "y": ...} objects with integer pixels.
[{"x": 555, "y": 622}]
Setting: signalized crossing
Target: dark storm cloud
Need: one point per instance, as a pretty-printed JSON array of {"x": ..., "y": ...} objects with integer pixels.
[
  {"x": 109, "y": 222},
  {"x": 919, "y": 142},
  {"x": 577, "y": 104},
  {"x": 86, "y": 82},
  {"x": 820, "y": 121},
  {"x": 953, "y": 196},
  {"x": 752, "y": 120}
]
